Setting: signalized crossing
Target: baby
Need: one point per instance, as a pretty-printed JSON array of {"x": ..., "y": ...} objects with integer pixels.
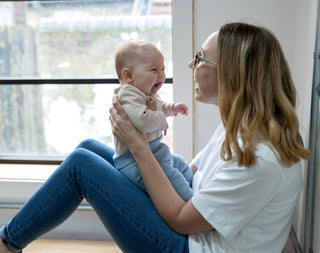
[{"x": 140, "y": 69}]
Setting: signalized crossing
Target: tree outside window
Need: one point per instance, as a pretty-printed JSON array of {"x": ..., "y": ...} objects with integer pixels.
[{"x": 68, "y": 39}]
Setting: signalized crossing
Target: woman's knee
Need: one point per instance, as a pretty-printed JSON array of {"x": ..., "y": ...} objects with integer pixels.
[
  {"x": 87, "y": 143},
  {"x": 76, "y": 158}
]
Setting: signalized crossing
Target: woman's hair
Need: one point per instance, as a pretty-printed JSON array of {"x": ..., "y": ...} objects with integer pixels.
[{"x": 257, "y": 97}]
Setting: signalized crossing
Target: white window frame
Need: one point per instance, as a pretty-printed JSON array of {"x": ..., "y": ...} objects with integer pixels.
[
  {"x": 15, "y": 192},
  {"x": 182, "y": 53}
]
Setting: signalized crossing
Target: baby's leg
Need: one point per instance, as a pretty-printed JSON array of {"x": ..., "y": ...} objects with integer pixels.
[
  {"x": 133, "y": 174},
  {"x": 126, "y": 164},
  {"x": 183, "y": 167},
  {"x": 178, "y": 181}
]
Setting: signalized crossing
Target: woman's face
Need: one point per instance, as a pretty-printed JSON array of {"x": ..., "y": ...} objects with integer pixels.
[{"x": 205, "y": 73}]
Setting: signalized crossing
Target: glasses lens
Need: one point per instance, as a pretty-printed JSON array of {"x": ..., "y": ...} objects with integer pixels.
[{"x": 196, "y": 58}]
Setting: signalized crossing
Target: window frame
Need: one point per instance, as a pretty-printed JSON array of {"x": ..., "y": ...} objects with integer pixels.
[{"x": 34, "y": 159}]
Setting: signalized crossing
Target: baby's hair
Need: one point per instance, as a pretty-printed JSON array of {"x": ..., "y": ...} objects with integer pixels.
[{"x": 129, "y": 53}]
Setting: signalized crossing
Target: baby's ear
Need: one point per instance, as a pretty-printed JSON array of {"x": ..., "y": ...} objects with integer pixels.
[{"x": 127, "y": 75}]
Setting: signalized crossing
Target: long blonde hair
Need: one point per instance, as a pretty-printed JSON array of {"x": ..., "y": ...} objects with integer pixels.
[{"x": 257, "y": 97}]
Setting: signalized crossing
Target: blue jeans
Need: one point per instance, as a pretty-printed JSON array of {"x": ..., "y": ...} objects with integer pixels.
[
  {"x": 88, "y": 172},
  {"x": 173, "y": 165}
]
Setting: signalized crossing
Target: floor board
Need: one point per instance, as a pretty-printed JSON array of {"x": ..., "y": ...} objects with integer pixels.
[{"x": 67, "y": 246}]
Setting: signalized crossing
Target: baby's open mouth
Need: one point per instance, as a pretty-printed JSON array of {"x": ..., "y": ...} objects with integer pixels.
[{"x": 155, "y": 88}]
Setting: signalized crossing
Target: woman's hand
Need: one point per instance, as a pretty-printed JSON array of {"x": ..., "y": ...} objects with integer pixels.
[{"x": 122, "y": 127}]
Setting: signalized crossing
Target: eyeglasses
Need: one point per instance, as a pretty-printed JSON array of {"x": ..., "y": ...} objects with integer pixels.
[{"x": 198, "y": 58}]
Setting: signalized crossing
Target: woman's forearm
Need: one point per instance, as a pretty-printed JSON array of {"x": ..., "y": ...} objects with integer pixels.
[
  {"x": 166, "y": 200},
  {"x": 181, "y": 216}
]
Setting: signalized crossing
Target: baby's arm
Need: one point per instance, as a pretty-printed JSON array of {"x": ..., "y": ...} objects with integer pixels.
[
  {"x": 172, "y": 109},
  {"x": 180, "y": 108}
]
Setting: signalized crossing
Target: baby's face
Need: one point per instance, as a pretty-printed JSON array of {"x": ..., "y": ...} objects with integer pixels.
[{"x": 148, "y": 76}]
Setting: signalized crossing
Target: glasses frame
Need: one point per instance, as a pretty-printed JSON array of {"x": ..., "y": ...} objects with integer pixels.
[{"x": 198, "y": 58}]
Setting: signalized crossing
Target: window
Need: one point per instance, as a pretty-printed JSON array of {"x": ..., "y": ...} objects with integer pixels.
[
  {"x": 14, "y": 191},
  {"x": 57, "y": 71}
]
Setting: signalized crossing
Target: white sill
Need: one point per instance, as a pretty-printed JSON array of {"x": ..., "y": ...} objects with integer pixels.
[
  {"x": 26, "y": 171},
  {"x": 19, "y": 181}
]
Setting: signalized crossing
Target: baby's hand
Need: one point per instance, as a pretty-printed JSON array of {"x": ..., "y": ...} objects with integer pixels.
[
  {"x": 149, "y": 102},
  {"x": 180, "y": 108}
]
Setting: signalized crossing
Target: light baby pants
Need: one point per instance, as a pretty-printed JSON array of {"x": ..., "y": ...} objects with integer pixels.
[{"x": 173, "y": 165}]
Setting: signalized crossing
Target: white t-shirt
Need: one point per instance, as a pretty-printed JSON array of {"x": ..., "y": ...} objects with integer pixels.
[{"x": 251, "y": 209}]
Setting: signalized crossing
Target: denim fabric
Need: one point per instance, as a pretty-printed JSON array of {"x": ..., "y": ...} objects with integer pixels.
[
  {"x": 125, "y": 210},
  {"x": 177, "y": 171}
]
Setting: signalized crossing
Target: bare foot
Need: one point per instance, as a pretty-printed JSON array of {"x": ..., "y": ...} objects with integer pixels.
[{"x": 3, "y": 248}]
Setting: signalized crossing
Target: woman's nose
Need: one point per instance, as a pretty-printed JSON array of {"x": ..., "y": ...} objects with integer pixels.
[{"x": 191, "y": 64}]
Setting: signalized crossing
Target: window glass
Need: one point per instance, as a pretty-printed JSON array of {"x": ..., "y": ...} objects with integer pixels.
[{"x": 69, "y": 39}]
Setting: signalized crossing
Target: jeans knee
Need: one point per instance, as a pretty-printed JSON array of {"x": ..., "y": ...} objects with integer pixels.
[
  {"x": 79, "y": 154},
  {"x": 87, "y": 143},
  {"x": 77, "y": 162}
]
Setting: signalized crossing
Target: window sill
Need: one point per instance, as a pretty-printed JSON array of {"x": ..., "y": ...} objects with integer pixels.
[
  {"x": 18, "y": 182},
  {"x": 26, "y": 171}
]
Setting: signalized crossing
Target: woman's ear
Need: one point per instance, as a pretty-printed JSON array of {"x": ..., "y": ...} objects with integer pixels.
[{"x": 127, "y": 75}]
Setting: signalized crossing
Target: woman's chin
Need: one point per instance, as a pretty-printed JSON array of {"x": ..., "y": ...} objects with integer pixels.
[
  {"x": 197, "y": 97},
  {"x": 196, "y": 93}
]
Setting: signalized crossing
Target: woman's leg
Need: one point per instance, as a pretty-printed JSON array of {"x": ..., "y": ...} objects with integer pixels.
[
  {"x": 127, "y": 212},
  {"x": 99, "y": 148}
]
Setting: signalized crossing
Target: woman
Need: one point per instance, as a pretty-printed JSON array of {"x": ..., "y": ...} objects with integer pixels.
[{"x": 247, "y": 180}]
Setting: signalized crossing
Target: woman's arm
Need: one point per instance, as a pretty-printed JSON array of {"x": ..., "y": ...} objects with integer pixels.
[
  {"x": 181, "y": 216},
  {"x": 193, "y": 168}
]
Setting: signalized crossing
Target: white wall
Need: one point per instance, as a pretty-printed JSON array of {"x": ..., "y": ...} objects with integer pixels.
[{"x": 293, "y": 22}]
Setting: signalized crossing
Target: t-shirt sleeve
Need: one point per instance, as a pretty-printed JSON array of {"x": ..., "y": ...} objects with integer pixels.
[
  {"x": 197, "y": 159},
  {"x": 235, "y": 195}
]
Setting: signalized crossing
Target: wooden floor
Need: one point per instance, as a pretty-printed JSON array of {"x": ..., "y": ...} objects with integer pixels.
[{"x": 66, "y": 246}]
